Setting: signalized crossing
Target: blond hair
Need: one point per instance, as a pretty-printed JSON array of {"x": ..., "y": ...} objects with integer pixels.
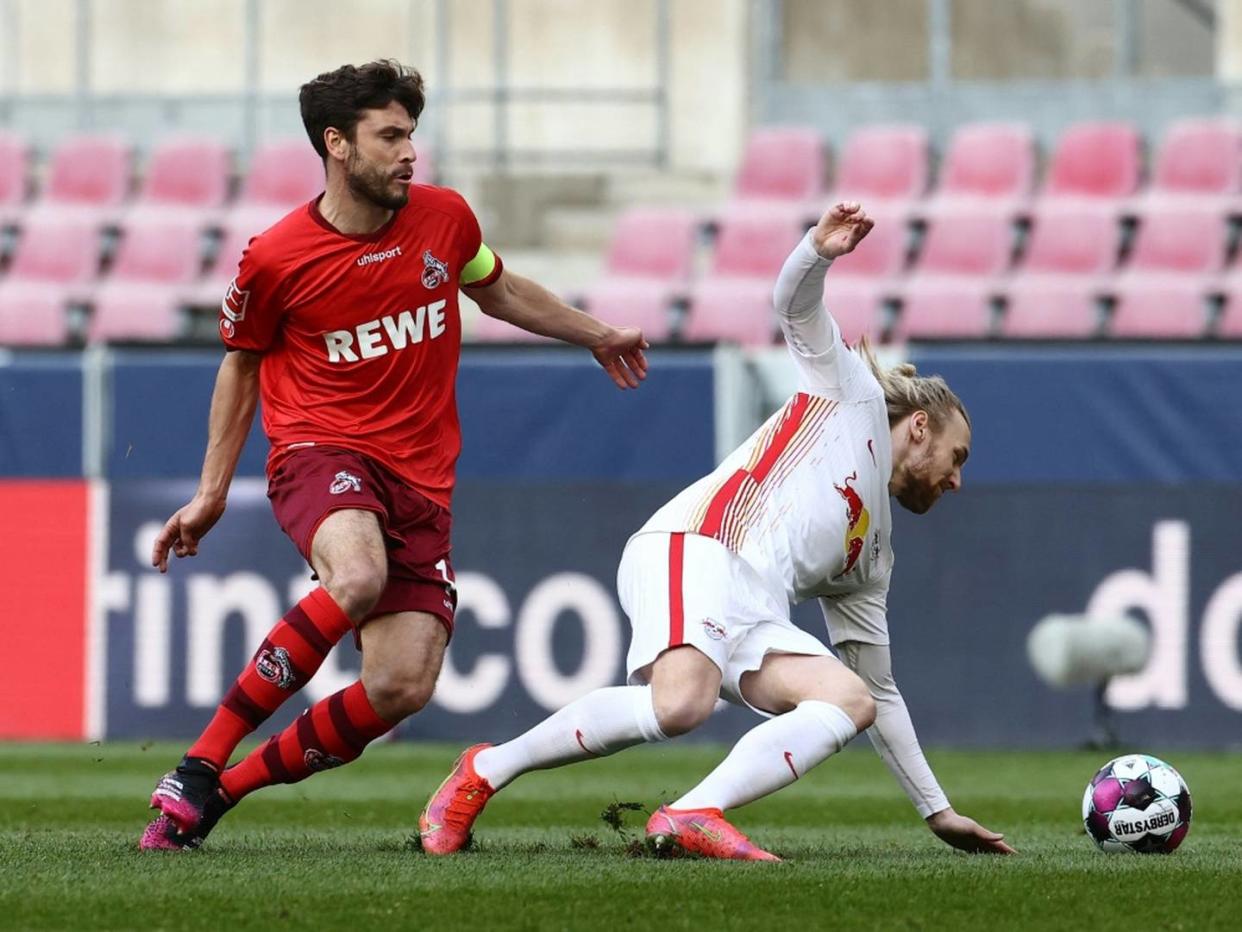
[{"x": 905, "y": 391}]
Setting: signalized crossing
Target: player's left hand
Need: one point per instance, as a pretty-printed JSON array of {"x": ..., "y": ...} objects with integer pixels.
[
  {"x": 841, "y": 229},
  {"x": 966, "y": 834},
  {"x": 621, "y": 355}
]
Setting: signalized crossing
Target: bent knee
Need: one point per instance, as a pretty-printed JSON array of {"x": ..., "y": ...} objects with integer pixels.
[
  {"x": 395, "y": 696},
  {"x": 357, "y": 588},
  {"x": 682, "y": 710},
  {"x": 858, "y": 703}
]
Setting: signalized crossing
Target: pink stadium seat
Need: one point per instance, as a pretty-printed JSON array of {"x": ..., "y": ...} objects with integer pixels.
[
  {"x": 645, "y": 303},
  {"x": 1050, "y": 307},
  {"x": 755, "y": 242},
  {"x": 14, "y": 174},
  {"x": 60, "y": 250},
  {"x": 187, "y": 172},
  {"x": 1199, "y": 157},
  {"x": 1158, "y": 307},
  {"x": 735, "y": 310},
  {"x": 966, "y": 242},
  {"x": 490, "y": 330},
  {"x": 992, "y": 160},
  {"x": 1071, "y": 239},
  {"x": 946, "y": 308},
  {"x": 1095, "y": 160},
  {"x": 239, "y": 228},
  {"x": 142, "y": 298},
  {"x": 32, "y": 314},
  {"x": 782, "y": 163},
  {"x": 144, "y": 311},
  {"x": 653, "y": 242},
  {"x": 89, "y": 174},
  {"x": 284, "y": 173},
  {"x": 857, "y": 305},
  {"x": 884, "y": 162},
  {"x": 1180, "y": 237}
]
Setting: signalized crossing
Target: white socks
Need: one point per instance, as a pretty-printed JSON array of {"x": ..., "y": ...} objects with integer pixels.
[
  {"x": 773, "y": 755},
  {"x": 598, "y": 724}
]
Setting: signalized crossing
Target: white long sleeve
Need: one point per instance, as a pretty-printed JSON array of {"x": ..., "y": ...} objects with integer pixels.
[
  {"x": 799, "y": 301},
  {"x": 893, "y": 733}
]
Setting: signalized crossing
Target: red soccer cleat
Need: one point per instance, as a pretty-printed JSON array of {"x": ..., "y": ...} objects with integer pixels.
[
  {"x": 704, "y": 832},
  {"x": 444, "y": 824}
]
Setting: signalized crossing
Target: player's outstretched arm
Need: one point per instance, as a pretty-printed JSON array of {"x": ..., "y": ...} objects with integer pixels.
[
  {"x": 897, "y": 744},
  {"x": 233, "y": 404},
  {"x": 799, "y": 293},
  {"x": 532, "y": 307}
]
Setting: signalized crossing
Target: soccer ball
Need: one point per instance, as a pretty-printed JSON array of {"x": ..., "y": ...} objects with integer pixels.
[{"x": 1137, "y": 803}]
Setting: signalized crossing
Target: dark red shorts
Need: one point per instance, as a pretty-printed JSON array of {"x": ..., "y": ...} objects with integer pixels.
[{"x": 313, "y": 482}]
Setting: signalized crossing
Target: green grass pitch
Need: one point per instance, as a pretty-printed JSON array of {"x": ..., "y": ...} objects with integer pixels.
[{"x": 334, "y": 852}]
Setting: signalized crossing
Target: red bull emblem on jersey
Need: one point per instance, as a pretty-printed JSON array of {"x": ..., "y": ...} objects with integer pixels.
[
  {"x": 858, "y": 523},
  {"x": 435, "y": 272}
]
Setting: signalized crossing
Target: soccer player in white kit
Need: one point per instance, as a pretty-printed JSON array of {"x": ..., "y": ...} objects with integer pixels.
[{"x": 798, "y": 511}]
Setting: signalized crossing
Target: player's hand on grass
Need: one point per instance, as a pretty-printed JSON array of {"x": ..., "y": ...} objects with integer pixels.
[
  {"x": 966, "y": 834},
  {"x": 841, "y": 229},
  {"x": 184, "y": 529},
  {"x": 621, "y": 355}
]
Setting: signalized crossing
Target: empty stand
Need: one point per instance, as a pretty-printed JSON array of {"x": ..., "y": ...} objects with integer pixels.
[
  {"x": 945, "y": 308},
  {"x": 1159, "y": 307},
  {"x": 1199, "y": 157},
  {"x": 1179, "y": 237},
  {"x": 283, "y": 173},
  {"x": 486, "y": 329},
  {"x": 782, "y": 163},
  {"x": 89, "y": 176},
  {"x": 754, "y": 242},
  {"x": 1095, "y": 160},
  {"x": 883, "y": 162},
  {"x": 988, "y": 160},
  {"x": 857, "y": 305},
  {"x": 186, "y": 172},
  {"x": 966, "y": 242},
  {"x": 881, "y": 254},
  {"x": 734, "y": 310},
  {"x": 1071, "y": 239},
  {"x": 1050, "y": 307},
  {"x": 32, "y": 314},
  {"x": 652, "y": 242}
]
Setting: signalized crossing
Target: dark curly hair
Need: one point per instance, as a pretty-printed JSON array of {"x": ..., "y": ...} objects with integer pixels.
[{"x": 337, "y": 98}]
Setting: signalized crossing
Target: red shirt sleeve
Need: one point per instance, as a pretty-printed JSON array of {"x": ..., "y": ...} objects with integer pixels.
[{"x": 252, "y": 309}]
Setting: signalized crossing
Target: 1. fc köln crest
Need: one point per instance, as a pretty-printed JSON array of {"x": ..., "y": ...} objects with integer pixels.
[{"x": 435, "y": 272}]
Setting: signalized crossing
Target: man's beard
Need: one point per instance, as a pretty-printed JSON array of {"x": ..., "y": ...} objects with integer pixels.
[
  {"x": 372, "y": 185},
  {"x": 916, "y": 494}
]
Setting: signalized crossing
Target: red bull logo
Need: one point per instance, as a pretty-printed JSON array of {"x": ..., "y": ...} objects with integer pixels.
[{"x": 858, "y": 522}]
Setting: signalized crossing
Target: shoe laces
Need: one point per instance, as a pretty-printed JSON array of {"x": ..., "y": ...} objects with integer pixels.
[{"x": 462, "y": 806}]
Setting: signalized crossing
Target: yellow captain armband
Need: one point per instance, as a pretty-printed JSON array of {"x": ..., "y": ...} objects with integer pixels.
[{"x": 482, "y": 270}]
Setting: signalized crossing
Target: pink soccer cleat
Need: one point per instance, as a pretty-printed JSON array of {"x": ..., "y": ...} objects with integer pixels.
[
  {"x": 704, "y": 832},
  {"x": 182, "y": 794},
  {"x": 445, "y": 822}
]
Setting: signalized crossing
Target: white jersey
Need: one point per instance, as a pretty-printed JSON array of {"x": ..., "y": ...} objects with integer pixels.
[{"x": 804, "y": 500}]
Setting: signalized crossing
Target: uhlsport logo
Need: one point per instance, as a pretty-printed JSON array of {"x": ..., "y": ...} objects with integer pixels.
[
  {"x": 316, "y": 760},
  {"x": 858, "y": 523},
  {"x": 435, "y": 272},
  {"x": 343, "y": 482},
  {"x": 714, "y": 630},
  {"x": 275, "y": 667},
  {"x": 372, "y": 257}
]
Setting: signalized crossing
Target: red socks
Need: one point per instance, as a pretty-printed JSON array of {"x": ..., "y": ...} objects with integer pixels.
[
  {"x": 285, "y": 661},
  {"x": 330, "y": 733}
]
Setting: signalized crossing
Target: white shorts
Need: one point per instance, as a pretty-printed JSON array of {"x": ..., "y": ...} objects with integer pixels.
[{"x": 689, "y": 589}]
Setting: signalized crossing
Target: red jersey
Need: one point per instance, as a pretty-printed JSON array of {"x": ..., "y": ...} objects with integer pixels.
[{"x": 361, "y": 335}]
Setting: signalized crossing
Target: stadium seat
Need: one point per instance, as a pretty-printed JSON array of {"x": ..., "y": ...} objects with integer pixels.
[
  {"x": 735, "y": 310},
  {"x": 1071, "y": 239},
  {"x": 283, "y": 173},
  {"x": 56, "y": 250},
  {"x": 782, "y": 163},
  {"x": 857, "y": 304},
  {"x": 1179, "y": 237},
  {"x": 32, "y": 314},
  {"x": 186, "y": 172},
  {"x": 1050, "y": 307},
  {"x": 652, "y": 242},
  {"x": 883, "y": 252},
  {"x": 645, "y": 303},
  {"x": 89, "y": 177},
  {"x": 487, "y": 329},
  {"x": 945, "y": 308},
  {"x": 988, "y": 160},
  {"x": 1158, "y": 307},
  {"x": 1199, "y": 157},
  {"x": 141, "y": 299},
  {"x": 754, "y": 242},
  {"x": 1095, "y": 160},
  {"x": 968, "y": 241},
  {"x": 14, "y": 175},
  {"x": 883, "y": 162}
]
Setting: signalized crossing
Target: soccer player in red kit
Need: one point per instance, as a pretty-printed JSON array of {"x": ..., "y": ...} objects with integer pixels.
[{"x": 343, "y": 319}]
